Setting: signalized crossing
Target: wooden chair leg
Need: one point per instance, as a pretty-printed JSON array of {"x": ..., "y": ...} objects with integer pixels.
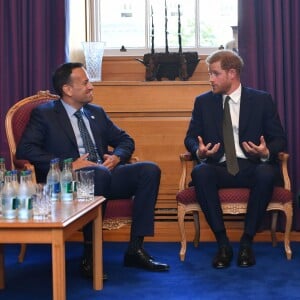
[
  {"x": 197, "y": 228},
  {"x": 181, "y": 216},
  {"x": 22, "y": 253},
  {"x": 288, "y": 210},
  {"x": 273, "y": 227}
]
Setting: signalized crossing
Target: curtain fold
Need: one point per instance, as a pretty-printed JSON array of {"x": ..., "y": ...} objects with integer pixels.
[
  {"x": 269, "y": 43},
  {"x": 33, "y": 35}
]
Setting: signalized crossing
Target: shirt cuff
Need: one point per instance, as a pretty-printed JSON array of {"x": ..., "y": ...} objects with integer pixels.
[
  {"x": 265, "y": 159},
  {"x": 200, "y": 159}
]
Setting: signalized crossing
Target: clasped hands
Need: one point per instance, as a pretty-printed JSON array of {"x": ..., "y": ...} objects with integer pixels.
[
  {"x": 110, "y": 161},
  {"x": 252, "y": 149}
]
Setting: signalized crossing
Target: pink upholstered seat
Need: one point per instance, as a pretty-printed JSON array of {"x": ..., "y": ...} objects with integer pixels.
[
  {"x": 237, "y": 195},
  {"x": 233, "y": 201}
]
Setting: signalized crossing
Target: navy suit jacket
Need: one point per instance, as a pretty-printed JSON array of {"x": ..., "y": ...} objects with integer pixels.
[
  {"x": 49, "y": 134},
  {"x": 258, "y": 116}
]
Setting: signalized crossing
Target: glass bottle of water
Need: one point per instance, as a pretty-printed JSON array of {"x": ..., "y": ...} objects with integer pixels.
[
  {"x": 66, "y": 181},
  {"x": 53, "y": 179},
  {"x": 57, "y": 168},
  {"x": 15, "y": 180},
  {"x": 9, "y": 199},
  {"x": 25, "y": 195},
  {"x": 30, "y": 183},
  {"x": 15, "y": 184},
  {"x": 2, "y": 172}
]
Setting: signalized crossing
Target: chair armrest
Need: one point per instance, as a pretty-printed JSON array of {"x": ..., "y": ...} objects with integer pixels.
[
  {"x": 187, "y": 156},
  {"x": 134, "y": 159},
  {"x": 21, "y": 164},
  {"x": 185, "y": 160},
  {"x": 283, "y": 159}
]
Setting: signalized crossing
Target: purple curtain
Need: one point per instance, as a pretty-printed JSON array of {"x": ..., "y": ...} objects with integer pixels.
[
  {"x": 32, "y": 35},
  {"x": 269, "y": 43}
]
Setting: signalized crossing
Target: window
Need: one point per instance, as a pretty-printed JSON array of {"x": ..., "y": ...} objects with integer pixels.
[{"x": 137, "y": 26}]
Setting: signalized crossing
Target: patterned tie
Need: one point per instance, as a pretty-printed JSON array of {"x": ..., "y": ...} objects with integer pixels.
[
  {"x": 230, "y": 154},
  {"x": 87, "y": 141}
]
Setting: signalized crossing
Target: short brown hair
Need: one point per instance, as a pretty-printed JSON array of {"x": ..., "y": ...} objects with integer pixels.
[{"x": 228, "y": 59}]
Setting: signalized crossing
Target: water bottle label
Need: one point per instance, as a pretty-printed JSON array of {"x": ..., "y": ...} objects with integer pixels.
[
  {"x": 29, "y": 203},
  {"x": 69, "y": 187},
  {"x": 15, "y": 203},
  {"x": 56, "y": 188}
]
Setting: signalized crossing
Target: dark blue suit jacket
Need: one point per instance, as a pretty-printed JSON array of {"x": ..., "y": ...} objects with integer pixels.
[
  {"x": 49, "y": 134},
  {"x": 258, "y": 116}
]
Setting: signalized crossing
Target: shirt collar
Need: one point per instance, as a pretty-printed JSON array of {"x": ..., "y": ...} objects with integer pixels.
[
  {"x": 69, "y": 109},
  {"x": 236, "y": 95}
]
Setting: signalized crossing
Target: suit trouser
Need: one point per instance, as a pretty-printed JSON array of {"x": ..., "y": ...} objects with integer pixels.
[
  {"x": 259, "y": 177},
  {"x": 140, "y": 180}
]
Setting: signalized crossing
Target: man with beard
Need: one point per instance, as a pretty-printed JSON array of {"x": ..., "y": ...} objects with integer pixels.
[{"x": 235, "y": 134}]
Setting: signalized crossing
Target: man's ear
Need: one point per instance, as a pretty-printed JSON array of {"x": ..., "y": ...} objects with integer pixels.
[
  {"x": 232, "y": 73},
  {"x": 67, "y": 89}
]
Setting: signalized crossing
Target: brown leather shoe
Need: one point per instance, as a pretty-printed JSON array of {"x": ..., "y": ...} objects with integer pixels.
[
  {"x": 223, "y": 257},
  {"x": 141, "y": 259}
]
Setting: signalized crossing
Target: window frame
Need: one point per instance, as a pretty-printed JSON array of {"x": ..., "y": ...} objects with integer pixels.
[{"x": 92, "y": 35}]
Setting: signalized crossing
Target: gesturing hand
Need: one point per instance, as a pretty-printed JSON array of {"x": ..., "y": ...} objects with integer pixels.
[
  {"x": 260, "y": 150},
  {"x": 205, "y": 151},
  {"x": 82, "y": 162}
]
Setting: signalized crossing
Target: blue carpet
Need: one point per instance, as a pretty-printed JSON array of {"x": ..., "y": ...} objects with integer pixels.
[{"x": 273, "y": 277}]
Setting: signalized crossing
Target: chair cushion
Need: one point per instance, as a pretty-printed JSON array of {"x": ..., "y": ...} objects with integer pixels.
[
  {"x": 117, "y": 214},
  {"x": 234, "y": 195},
  {"x": 118, "y": 208}
]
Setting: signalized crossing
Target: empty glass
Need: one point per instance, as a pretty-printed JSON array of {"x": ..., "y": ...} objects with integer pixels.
[
  {"x": 85, "y": 185},
  {"x": 42, "y": 204}
]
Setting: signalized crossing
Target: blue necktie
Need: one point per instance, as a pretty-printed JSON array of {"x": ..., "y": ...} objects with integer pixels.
[
  {"x": 87, "y": 140},
  {"x": 230, "y": 154}
]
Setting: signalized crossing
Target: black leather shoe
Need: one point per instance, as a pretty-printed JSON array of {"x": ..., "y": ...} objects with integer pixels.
[
  {"x": 141, "y": 259},
  {"x": 223, "y": 257},
  {"x": 246, "y": 257},
  {"x": 86, "y": 268}
]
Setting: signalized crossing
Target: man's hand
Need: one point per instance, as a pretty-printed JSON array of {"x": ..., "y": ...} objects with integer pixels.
[
  {"x": 82, "y": 162},
  {"x": 260, "y": 151},
  {"x": 110, "y": 161},
  {"x": 205, "y": 151}
]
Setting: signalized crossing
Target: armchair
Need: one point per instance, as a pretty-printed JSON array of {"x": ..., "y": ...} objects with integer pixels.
[
  {"x": 118, "y": 212},
  {"x": 233, "y": 201},
  {"x": 15, "y": 123}
]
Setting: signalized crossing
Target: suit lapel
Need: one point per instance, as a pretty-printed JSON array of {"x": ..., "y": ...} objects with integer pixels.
[
  {"x": 245, "y": 109},
  {"x": 218, "y": 113},
  {"x": 63, "y": 119}
]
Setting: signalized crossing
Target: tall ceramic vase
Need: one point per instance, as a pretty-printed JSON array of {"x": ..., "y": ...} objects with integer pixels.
[{"x": 93, "y": 53}]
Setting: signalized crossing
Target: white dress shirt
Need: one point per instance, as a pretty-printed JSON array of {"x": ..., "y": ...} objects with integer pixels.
[{"x": 74, "y": 122}]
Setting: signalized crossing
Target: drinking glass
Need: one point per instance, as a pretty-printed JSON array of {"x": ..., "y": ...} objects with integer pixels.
[
  {"x": 85, "y": 185},
  {"x": 42, "y": 201}
]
